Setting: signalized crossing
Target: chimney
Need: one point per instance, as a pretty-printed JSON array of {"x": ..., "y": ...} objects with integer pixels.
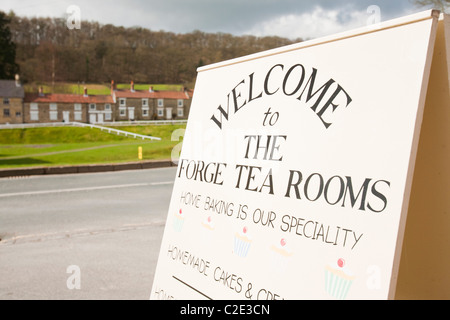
[
  {"x": 17, "y": 81},
  {"x": 112, "y": 86},
  {"x": 132, "y": 87},
  {"x": 41, "y": 91},
  {"x": 85, "y": 92},
  {"x": 150, "y": 89}
]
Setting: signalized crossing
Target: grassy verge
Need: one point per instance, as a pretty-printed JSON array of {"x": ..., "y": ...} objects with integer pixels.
[
  {"x": 76, "y": 146},
  {"x": 96, "y": 89},
  {"x": 158, "y": 87}
]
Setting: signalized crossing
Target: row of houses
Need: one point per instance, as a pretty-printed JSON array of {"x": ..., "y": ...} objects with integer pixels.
[{"x": 17, "y": 107}]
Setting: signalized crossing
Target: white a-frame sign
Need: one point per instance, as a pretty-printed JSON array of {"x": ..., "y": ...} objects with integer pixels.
[{"x": 297, "y": 167}]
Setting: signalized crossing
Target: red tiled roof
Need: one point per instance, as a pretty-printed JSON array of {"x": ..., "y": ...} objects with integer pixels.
[
  {"x": 152, "y": 95},
  {"x": 135, "y": 94},
  {"x": 67, "y": 98}
]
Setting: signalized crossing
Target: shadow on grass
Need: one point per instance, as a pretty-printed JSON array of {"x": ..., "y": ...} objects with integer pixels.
[{"x": 22, "y": 161}]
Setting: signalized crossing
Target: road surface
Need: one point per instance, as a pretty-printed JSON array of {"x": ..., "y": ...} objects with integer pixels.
[{"x": 85, "y": 236}]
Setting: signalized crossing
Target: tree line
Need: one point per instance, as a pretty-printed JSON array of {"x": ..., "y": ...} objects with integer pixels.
[{"x": 47, "y": 50}]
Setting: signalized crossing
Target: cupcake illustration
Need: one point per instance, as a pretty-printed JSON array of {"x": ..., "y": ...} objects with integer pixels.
[
  {"x": 208, "y": 223},
  {"x": 207, "y": 234},
  {"x": 281, "y": 255},
  {"x": 338, "y": 279},
  {"x": 242, "y": 243},
  {"x": 178, "y": 221}
]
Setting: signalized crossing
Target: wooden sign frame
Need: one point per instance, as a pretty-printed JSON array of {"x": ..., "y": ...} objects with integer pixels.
[{"x": 297, "y": 167}]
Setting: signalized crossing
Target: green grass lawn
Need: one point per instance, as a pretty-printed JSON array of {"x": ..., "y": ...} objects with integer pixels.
[
  {"x": 157, "y": 87},
  {"x": 98, "y": 89},
  {"x": 76, "y": 146}
]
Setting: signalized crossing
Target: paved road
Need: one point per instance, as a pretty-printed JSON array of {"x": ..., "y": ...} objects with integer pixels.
[{"x": 100, "y": 231}]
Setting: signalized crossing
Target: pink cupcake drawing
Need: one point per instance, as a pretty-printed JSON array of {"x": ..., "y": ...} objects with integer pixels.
[
  {"x": 242, "y": 243},
  {"x": 208, "y": 223},
  {"x": 207, "y": 233},
  {"x": 338, "y": 279},
  {"x": 281, "y": 255},
  {"x": 178, "y": 221}
]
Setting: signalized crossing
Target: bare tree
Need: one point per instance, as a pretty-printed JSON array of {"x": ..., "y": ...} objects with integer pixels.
[
  {"x": 442, "y": 5},
  {"x": 101, "y": 53}
]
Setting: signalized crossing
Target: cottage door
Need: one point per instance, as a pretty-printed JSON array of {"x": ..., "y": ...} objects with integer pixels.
[
  {"x": 169, "y": 113},
  {"x": 130, "y": 113},
  {"x": 66, "y": 116}
]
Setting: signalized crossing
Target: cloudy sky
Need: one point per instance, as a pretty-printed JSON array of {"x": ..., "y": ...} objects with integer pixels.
[{"x": 286, "y": 18}]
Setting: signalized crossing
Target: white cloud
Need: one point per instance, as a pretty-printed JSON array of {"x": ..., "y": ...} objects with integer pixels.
[
  {"x": 309, "y": 25},
  {"x": 286, "y": 18}
]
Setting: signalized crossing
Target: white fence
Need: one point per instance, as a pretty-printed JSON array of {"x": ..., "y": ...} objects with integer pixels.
[
  {"x": 109, "y": 124},
  {"x": 116, "y": 131},
  {"x": 35, "y": 125},
  {"x": 84, "y": 125},
  {"x": 140, "y": 123}
]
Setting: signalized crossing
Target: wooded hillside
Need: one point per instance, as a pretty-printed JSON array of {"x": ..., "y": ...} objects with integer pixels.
[{"x": 48, "y": 51}]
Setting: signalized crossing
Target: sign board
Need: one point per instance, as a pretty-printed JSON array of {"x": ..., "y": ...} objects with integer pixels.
[
  {"x": 296, "y": 169},
  {"x": 425, "y": 261}
]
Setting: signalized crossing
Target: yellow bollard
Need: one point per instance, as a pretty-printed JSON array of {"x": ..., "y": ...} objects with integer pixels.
[{"x": 140, "y": 153}]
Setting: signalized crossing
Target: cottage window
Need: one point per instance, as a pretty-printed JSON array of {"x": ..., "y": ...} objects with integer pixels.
[
  {"x": 122, "y": 102},
  {"x": 180, "y": 103},
  {"x": 160, "y": 102},
  {"x": 53, "y": 115},
  {"x": 77, "y": 116},
  {"x": 6, "y": 101},
  {"x": 180, "y": 112},
  {"x": 145, "y": 112},
  {"x": 34, "y": 115},
  {"x": 145, "y": 102},
  {"x": 53, "y": 111},
  {"x": 107, "y": 106},
  {"x": 160, "y": 112},
  {"x": 34, "y": 112},
  {"x": 6, "y": 113},
  {"x": 92, "y": 107},
  {"x": 108, "y": 116},
  {"x": 123, "y": 112},
  {"x": 77, "y": 107}
]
